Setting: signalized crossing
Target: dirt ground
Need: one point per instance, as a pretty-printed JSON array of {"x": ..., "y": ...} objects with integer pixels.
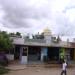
[{"x": 41, "y": 71}]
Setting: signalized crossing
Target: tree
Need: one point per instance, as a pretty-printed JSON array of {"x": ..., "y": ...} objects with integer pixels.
[
  {"x": 5, "y": 41},
  {"x": 18, "y": 33},
  {"x": 11, "y": 34},
  {"x": 15, "y": 34}
]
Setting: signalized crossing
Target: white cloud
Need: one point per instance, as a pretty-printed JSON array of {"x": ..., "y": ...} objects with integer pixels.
[{"x": 34, "y": 15}]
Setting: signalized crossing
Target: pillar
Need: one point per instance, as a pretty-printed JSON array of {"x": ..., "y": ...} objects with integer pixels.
[
  {"x": 24, "y": 55},
  {"x": 44, "y": 51}
]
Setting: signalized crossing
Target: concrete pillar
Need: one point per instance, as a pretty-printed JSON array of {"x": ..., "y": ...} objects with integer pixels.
[
  {"x": 24, "y": 55},
  {"x": 21, "y": 53},
  {"x": 43, "y": 52}
]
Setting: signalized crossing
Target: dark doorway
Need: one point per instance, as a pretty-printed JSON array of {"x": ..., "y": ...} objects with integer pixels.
[
  {"x": 53, "y": 53},
  {"x": 17, "y": 52},
  {"x": 71, "y": 54},
  {"x": 34, "y": 53}
]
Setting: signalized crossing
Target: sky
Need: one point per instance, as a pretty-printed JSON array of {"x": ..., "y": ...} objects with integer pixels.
[{"x": 32, "y": 16}]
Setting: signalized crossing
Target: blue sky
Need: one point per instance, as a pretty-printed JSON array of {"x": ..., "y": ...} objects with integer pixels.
[{"x": 32, "y": 16}]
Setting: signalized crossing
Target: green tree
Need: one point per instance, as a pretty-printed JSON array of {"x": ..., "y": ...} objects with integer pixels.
[
  {"x": 62, "y": 53},
  {"x": 5, "y": 41},
  {"x": 11, "y": 34},
  {"x": 18, "y": 33}
]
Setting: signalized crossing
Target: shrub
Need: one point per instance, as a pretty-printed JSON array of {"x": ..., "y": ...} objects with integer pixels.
[{"x": 3, "y": 70}]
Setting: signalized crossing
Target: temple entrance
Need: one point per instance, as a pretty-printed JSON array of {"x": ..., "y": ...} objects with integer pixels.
[
  {"x": 34, "y": 54},
  {"x": 17, "y": 52},
  {"x": 53, "y": 54}
]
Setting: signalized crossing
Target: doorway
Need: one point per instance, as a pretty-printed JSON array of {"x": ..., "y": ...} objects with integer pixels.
[
  {"x": 53, "y": 53},
  {"x": 34, "y": 53},
  {"x": 17, "y": 52},
  {"x": 71, "y": 54}
]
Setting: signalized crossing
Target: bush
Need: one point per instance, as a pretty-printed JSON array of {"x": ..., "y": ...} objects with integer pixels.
[{"x": 3, "y": 70}]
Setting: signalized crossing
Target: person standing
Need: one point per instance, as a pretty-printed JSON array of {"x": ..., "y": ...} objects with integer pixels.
[{"x": 64, "y": 67}]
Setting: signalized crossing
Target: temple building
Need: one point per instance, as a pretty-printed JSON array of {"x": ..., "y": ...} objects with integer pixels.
[{"x": 41, "y": 47}]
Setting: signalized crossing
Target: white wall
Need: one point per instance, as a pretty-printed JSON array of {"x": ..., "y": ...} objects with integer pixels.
[
  {"x": 24, "y": 60},
  {"x": 10, "y": 56}
]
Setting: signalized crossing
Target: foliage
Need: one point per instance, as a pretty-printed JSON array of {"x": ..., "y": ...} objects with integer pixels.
[
  {"x": 5, "y": 41},
  {"x": 62, "y": 53},
  {"x": 15, "y": 34},
  {"x": 3, "y": 70},
  {"x": 18, "y": 33}
]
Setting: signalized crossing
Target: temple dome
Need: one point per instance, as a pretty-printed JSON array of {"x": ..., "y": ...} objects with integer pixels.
[{"x": 47, "y": 31}]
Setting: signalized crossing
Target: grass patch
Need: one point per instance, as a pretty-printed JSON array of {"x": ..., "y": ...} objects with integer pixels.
[{"x": 3, "y": 70}]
